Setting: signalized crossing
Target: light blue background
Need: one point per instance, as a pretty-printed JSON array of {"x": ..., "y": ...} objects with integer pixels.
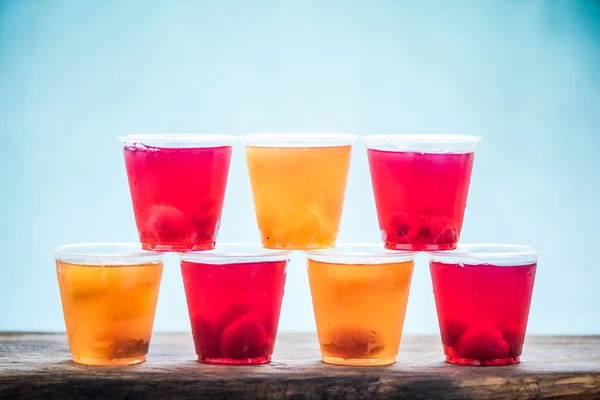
[{"x": 523, "y": 75}]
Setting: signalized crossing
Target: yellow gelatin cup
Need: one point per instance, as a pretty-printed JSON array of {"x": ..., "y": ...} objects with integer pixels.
[
  {"x": 298, "y": 185},
  {"x": 109, "y": 294},
  {"x": 359, "y": 294}
]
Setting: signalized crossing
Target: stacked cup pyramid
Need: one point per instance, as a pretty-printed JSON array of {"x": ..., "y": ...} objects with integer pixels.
[{"x": 359, "y": 290}]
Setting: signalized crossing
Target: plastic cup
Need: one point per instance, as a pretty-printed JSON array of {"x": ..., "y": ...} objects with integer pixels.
[
  {"x": 177, "y": 184},
  {"x": 108, "y": 293},
  {"x": 359, "y": 294},
  {"x": 298, "y": 185},
  {"x": 234, "y": 295},
  {"x": 420, "y": 183},
  {"x": 482, "y": 295}
]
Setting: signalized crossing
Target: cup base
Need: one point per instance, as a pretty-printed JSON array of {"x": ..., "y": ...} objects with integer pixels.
[
  {"x": 168, "y": 248},
  {"x": 359, "y": 361},
  {"x": 229, "y": 361},
  {"x": 106, "y": 361},
  {"x": 419, "y": 246},
  {"x": 487, "y": 363}
]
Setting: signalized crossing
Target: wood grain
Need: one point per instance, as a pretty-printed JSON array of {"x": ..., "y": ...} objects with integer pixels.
[{"x": 35, "y": 366}]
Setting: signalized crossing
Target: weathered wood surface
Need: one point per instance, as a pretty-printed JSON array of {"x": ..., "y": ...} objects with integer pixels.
[{"x": 36, "y": 366}]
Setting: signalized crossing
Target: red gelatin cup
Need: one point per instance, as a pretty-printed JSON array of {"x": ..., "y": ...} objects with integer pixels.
[
  {"x": 482, "y": 295},
  {"x": 177, "y": 184},
  {"x": 234, "y": 295},
  {"x": 420, "y": 183}
]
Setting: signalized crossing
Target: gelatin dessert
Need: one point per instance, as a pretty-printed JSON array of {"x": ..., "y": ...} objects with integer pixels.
[
  {"x": 298, "y": 186},
  {"x": 420, "y": 183},
  {"x": 234, "y": 299},
  {"x": 177, "y": 185},
  {"x": 109, "y": 301},
  {"x": 483, "y": 295},
  {"x": 359, "y": 295}
]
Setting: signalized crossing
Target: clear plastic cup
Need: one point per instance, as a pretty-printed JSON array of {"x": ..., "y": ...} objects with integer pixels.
[
  {"x": 298, "y": 185},
  {"x": 420, "y": 183},
  {"x": 177, "y": 184},
  {"x": 234, "y": 295},
  {"x": 109, "y": 293},
  {"x": 482, "y": 295},
  {"x": 359, "y": 294}
]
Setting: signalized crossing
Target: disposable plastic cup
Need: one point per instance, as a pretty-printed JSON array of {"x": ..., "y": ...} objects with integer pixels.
[
  {"x": 482, "y": 295},
  {"x": 234, "y": 295},
  {"x": 177, "y": 184},
  {"x": 420, "y": 183},
  {"x": 298, "y": 185},
  {"x": 108, "y": 293},
  {"x": 359, "y": 295}
]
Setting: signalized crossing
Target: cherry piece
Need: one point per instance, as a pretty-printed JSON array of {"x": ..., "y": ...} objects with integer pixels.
[
  {"x": 401, "y": 226},
  {"x": 515, "y": 339},
  {"x": 206, "y": 335},
  {"x": 169, "y": 224},
  {"x": 451, "y": 331},
  {"x": 482, "y": 344},
  {"x": 245, "y": 338}
]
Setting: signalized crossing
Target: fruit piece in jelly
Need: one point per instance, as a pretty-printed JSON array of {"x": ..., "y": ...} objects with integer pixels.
[
  {"x": 447, "y": 236},
  {"x": 206, "y": 336},
  {"x": 169, "y": 223},
  {"x": 451, "y": 331},
  {"x": 314, "y": 221},
  {"x": 245, "y": 338},
  {"x": 482, "y": 343},
  {"x": 411, "y": 229},
  {"x": 84, "y": 284},
  {"x": 234, "y": 311},
  {"x": 309, "y": 227},
  {"x": 514, "y": 338},
  {"x": 354, "y": 343},
  {"x": 207, "y": 218},
  {"x": 440, "y": 230},
  {"x": 127, "y": 347},
  {"x": 425, "y": 230},
  {"x": 419, "y": 233},
  {"x": 421, "y": 229},
  {"x": 402, "y": 224}
]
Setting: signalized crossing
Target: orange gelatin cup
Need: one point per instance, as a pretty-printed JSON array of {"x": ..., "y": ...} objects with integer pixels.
[
  {"x": 109, "y": 294},
  {"x": 298, "y": 186},
  {"x": 359, "y": 295}
]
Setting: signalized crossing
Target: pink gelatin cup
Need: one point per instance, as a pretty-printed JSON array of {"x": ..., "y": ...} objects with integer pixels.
[
  {"x": 234, "y": 296},
  {"x": 482, "y": 295},
  {"x": 420, "y": 183},
  {"x": 177, "y": 184}
]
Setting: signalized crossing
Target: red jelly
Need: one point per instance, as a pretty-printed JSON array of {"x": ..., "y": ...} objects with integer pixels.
[
  {"x": 234, "y": 308},
  {"x": 482, "y": 310},
  {"x": 420, "y": 183},
  {"x": 177, "y": 193},
  {"x": 420, "y": 197}
]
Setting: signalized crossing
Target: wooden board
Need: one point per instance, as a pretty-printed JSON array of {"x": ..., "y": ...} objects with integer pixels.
[{"x": 36, "y": 366}]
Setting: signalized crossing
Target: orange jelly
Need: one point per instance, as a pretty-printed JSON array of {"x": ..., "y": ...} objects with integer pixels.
[
  {"x": 109, "y": 310},
  {"x": 359, "y": 310},
  {"x": 298, "y": 194}
]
